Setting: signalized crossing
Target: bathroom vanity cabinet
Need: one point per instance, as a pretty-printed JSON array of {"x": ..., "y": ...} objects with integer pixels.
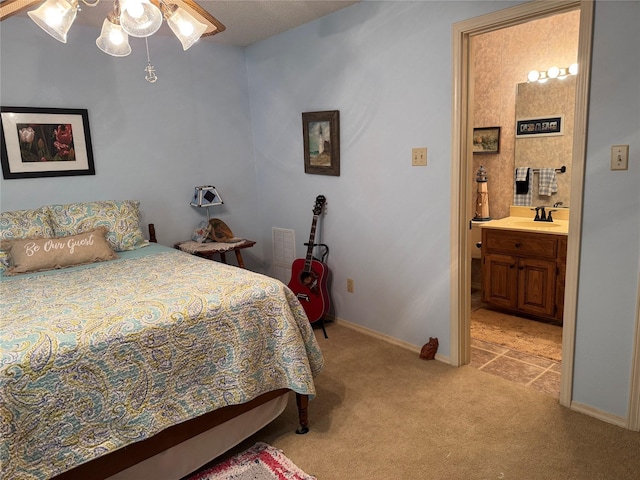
[{"x": 524, "y": 271}]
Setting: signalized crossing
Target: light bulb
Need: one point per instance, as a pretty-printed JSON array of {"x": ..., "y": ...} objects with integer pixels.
[
  {"x": 533, "y": 75},
  {"x": 186, "y": 28},
  {"x": 553, "y": 72},
  {"x": 116, "y": 37},
  {"x": 53, "y": 16},
  {"x": 573, "y": 69},
  {"x": 135, "y": 9}
]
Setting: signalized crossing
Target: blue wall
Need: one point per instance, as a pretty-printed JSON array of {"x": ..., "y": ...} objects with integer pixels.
[
  {"x": 216, "y": 116},
  {"x": 151, "y": 142},
  {"x": 387, "y": 67}
]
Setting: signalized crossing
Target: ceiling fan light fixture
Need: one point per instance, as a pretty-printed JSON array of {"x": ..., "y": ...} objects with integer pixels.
[
  {"x": 184, "y": 25},
  {"x": 140, "y": 18},
  {"x": 113, "y": 39},
  {"x": 55, "y": 17}
]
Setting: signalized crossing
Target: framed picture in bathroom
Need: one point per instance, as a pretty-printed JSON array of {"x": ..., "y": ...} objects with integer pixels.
[
  {"x": 486, "y": 140},
  {"x": 540, "y": 126}
]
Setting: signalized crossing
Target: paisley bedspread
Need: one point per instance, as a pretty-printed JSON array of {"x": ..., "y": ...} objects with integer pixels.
[{"x": 93, "y": 359}]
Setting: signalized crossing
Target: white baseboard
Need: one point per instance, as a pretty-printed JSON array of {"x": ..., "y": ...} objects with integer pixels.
[
  {"x": 387, "y": 338},
  {"x": 599, "y": 414}
]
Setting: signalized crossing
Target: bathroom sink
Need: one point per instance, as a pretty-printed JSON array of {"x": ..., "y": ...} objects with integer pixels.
[{"x": 532, "y": 224}]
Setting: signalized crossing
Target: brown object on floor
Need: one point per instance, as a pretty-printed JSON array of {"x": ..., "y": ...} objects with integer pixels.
[
  {"x": 516, "y": 333},
  {"x": 429, "y": 349}
]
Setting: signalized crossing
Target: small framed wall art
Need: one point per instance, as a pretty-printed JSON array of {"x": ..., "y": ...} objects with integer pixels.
[
  {"x": 45, "y": 142},
  {"x": 486, "y": 140},
  {"x": 321, "y": 135},
  {"x": 540, "y": 126}
]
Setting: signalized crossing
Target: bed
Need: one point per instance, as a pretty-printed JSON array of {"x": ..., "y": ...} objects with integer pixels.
[{"x": 134, "y": 366}]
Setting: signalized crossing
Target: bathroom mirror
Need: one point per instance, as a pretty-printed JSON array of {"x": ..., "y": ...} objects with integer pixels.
[{"x": 552, "y": 99}]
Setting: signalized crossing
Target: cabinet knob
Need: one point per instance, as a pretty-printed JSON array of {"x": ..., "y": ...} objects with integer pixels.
[
  {"x": 520, "y": 267},
  {"x": 518, "y": 245}
]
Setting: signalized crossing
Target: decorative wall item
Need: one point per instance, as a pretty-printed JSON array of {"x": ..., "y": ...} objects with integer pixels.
[
  {"x": 45, "y": 142},
  {"x": 486, "y": 140},
  {"x": 321, "y": 134},
  {"x": 540, "y": 126}
]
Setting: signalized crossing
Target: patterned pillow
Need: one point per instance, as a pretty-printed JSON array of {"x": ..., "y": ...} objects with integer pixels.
[
  {"x": 39, "y": 254},
  {"x": 122, "y": 219},
  {"x": 25, "y": 224},
  {"x": 21, "y": 224}
]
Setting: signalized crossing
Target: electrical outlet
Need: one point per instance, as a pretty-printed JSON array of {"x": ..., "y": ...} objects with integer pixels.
[
  {"x": 419, "y": 157},
  {"x": 619, "y": 157},
  {"x": 350, "y": 285}
]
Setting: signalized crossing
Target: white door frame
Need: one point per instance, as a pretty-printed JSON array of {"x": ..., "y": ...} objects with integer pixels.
[{"x": 461, "y": 199}]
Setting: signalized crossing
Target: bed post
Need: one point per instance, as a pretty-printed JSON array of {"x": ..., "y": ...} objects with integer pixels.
[
  {"x": 303, "y": 403},
  {"x": 152, "y": 233}
]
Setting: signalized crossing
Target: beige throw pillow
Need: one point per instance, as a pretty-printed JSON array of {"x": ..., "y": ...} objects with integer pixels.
[{"x": 38, "y": 254}]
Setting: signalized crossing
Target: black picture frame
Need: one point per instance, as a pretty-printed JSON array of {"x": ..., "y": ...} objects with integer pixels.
[
  {"x": 486, "y": 140},
  {"x": 321, "y": 135},
  {"x": 45, "y": 142},
  {"x": 550, "y": 126}
]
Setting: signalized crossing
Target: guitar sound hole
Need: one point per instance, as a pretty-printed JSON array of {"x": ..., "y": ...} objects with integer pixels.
[{"x": 308, "y": 278}]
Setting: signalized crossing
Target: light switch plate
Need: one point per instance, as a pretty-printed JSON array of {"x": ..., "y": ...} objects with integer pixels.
[
  {"x": 619, "y": 157},
  {"x": 419, "y": 157}
]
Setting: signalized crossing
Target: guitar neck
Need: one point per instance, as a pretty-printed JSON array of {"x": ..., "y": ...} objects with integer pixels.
[{"x": 312, "y": 237}]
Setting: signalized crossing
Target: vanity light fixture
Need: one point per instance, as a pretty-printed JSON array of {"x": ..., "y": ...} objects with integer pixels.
[
  {"x": 136, "y": 18},
  {"x": 553, "y": 72}
]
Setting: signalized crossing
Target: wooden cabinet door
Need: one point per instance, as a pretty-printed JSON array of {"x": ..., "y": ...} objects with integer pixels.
[
  {"x": 536, "y": 286},
  {"x": 500, "y": 280}
]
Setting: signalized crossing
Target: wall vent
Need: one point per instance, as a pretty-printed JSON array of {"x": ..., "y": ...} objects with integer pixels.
[{"x": 284, "y": 252}]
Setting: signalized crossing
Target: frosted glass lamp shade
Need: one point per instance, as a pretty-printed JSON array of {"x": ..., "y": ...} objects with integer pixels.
[
  {"x": 113, "y": 40},
  {"x": 54, "y": 17},
  {"x": 186, "y": 27},
  {"x": 140, "y": 18}
]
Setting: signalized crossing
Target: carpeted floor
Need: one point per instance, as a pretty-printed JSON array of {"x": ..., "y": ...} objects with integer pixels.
[
  {"x": 383, "y": 413},
  {"x": 521, "y": 334}
]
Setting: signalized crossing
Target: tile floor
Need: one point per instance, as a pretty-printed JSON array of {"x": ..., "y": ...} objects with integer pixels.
[{"x": 539, "y": 373}]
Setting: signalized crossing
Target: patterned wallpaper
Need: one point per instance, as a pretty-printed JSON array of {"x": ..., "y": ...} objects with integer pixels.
[{"x": 500, "y": 61}]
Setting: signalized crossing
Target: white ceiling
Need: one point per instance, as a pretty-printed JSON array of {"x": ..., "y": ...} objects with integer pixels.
[{"x": 246, "y": 21}]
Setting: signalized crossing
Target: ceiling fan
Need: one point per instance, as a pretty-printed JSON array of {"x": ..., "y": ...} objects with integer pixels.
[{"x": 138, "y": 18}]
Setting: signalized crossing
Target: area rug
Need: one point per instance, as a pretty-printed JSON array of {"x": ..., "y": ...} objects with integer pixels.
[
  {"x": 260, "y": 462},
  {"x": 520, "y": 334}
]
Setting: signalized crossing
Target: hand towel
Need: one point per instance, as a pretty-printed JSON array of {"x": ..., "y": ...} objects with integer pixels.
[
  {"x": 522, "y": 186},
  {"x": 522, "y": 180},
  {"x": 548, "y": 182}
]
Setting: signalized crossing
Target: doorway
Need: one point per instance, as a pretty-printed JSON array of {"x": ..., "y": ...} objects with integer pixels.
[
  {"x": 508, "y": 343},
  {"x": 462, "y": 170}
]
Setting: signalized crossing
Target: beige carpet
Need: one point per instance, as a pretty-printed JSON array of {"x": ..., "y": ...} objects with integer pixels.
[
  {"x": 527, "y": 336},
  {"x": 382, "y": 413}
]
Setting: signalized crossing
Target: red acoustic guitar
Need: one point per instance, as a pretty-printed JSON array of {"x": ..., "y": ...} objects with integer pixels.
[{"x": 309, "y": 276}]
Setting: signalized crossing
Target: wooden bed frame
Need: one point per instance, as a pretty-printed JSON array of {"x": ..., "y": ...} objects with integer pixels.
[{"x": 112, "y": 463}]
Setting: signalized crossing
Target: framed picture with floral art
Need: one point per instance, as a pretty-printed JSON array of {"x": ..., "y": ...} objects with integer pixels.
[
  {"x": 45, "y": 142},
  {"x": 321, "y": 135}
]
